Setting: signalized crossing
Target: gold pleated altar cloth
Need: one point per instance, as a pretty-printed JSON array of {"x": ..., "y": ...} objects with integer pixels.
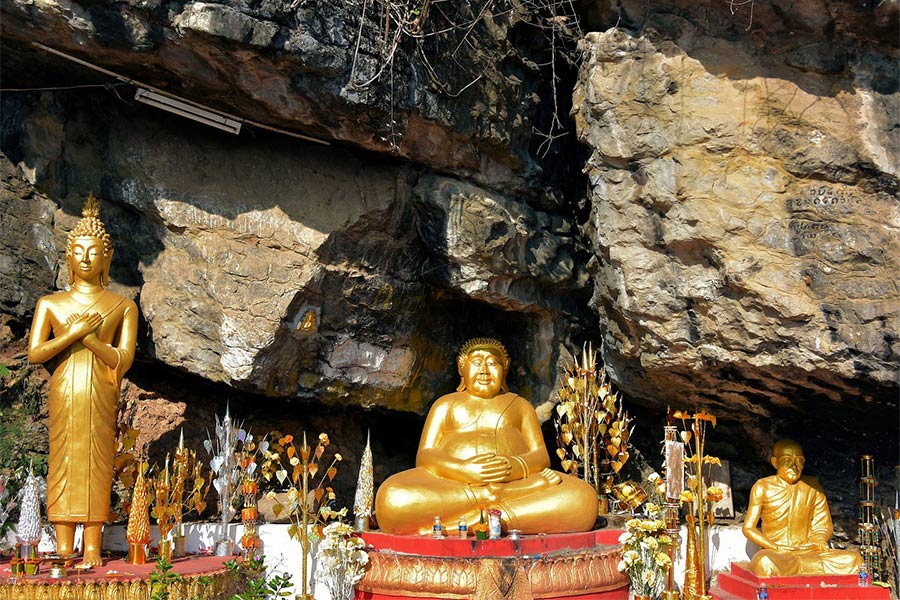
[{"x": 535, "y": 567}]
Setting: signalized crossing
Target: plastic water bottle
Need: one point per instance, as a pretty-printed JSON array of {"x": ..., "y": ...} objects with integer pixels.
[
  {"x": 463, "y": 529},
  {"x": 437, "y": 530},
  {"x": 864, "y": 576},
  {"x": 762, "y": 592}
]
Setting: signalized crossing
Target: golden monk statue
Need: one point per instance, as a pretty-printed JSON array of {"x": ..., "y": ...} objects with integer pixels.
[
  {"x": 93, "y": 337},
  {"x": 482, "y": 447},
  {"x": 796, "y": 523}
]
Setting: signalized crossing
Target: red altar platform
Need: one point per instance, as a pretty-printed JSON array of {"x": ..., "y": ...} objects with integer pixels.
[
  {"x": 577, "y": 566},
  {"x": 741, "y": 584},
  {"x": 202, "y": 577}
]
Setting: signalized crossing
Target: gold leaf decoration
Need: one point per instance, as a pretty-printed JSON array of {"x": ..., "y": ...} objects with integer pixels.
[{"x": 591, "y": 423}]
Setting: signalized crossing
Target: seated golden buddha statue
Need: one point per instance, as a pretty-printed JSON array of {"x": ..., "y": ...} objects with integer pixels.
[
  {"x": 796, "y": 522},
  {"x": 92, "y": 333},
  {"x": 482, "y": 447}
]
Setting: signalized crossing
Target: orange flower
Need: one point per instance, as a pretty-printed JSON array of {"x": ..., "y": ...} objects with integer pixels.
[
  {"x": 702, "y": 416},
  {"x": 681, "y": 415},
  {"x": 714, "y": 494}
]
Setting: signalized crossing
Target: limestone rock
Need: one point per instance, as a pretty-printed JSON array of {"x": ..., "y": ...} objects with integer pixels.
[
  {"x": 744, "y": 216},
  {"x": 328, "y": 69},
  {"x": 28, "y": 247},
  {"x": 298, "y": 271}
]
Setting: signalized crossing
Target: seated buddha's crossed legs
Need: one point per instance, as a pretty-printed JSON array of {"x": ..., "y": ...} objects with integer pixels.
[{"x": 523, "y": 506}]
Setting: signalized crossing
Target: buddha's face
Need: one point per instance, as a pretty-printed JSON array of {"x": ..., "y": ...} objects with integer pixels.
[
  {"x": 483, "y": 374},
  {"x": 87, "y": 260},
  {"x": 789, "y": 462}
]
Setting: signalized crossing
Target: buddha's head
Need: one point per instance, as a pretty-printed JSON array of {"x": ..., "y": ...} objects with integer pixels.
[
  {"x": 787, "y": 458},
  {"x": 89, "y": 248},
  {"x": 483, "y": 364}
]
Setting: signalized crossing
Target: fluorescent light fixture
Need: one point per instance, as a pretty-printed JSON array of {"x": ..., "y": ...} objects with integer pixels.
[{"x": 187, "y": 110}]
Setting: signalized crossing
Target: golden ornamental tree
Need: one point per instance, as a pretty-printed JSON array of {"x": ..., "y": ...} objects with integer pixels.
[
  {"x": 308, "y": 503},
  {"x": 591, "y": 424}
]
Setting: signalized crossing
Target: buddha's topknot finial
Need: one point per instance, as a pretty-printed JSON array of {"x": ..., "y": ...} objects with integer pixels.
[
  {"x": 91, "y": 208},
  {"x": 90, "y": 225}
]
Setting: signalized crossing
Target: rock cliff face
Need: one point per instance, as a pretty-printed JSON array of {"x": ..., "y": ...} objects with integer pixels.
[
  {"x": 744, "y": 212},
  {"x": 738, "y": 240},
  {"x": 289, "y": 268}
]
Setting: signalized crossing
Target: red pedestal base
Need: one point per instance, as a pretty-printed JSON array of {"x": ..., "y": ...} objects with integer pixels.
[
  {"x": 741, "y": 584},
  {"x": 202, "y": 577},
  {"x": 577, "y": 566}
]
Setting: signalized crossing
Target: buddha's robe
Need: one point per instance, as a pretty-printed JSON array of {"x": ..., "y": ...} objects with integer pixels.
[
  {"x": 83, "y": 401},
  {"x": 796, "y": 515}
]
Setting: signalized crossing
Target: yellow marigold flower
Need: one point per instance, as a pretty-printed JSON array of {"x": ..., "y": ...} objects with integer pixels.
[
  {"x": 687, "y": 496},
  {"x": 650, "y": 543},
  {"x": 714, "y": 494}
]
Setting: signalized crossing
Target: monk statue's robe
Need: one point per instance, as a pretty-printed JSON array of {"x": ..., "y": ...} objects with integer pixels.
[{"x": 797, "y": 515}]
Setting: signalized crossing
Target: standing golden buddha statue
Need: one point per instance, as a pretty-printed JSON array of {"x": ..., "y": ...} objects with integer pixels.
[
  {"x": 482, "y": 446},
  {"x": 92, "y": 333}
]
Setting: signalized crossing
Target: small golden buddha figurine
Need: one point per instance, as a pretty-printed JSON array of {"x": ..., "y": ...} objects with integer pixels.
[
  {"x": 796, "y": 523},
  {"x": 482, "y": 447},
  {"x": 92, "y": 333}
]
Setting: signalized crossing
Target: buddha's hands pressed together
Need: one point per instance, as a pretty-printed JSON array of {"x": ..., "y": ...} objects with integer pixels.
[
  {"x": 81, "y": 325},
  {"x": 488, "y": 468}
]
